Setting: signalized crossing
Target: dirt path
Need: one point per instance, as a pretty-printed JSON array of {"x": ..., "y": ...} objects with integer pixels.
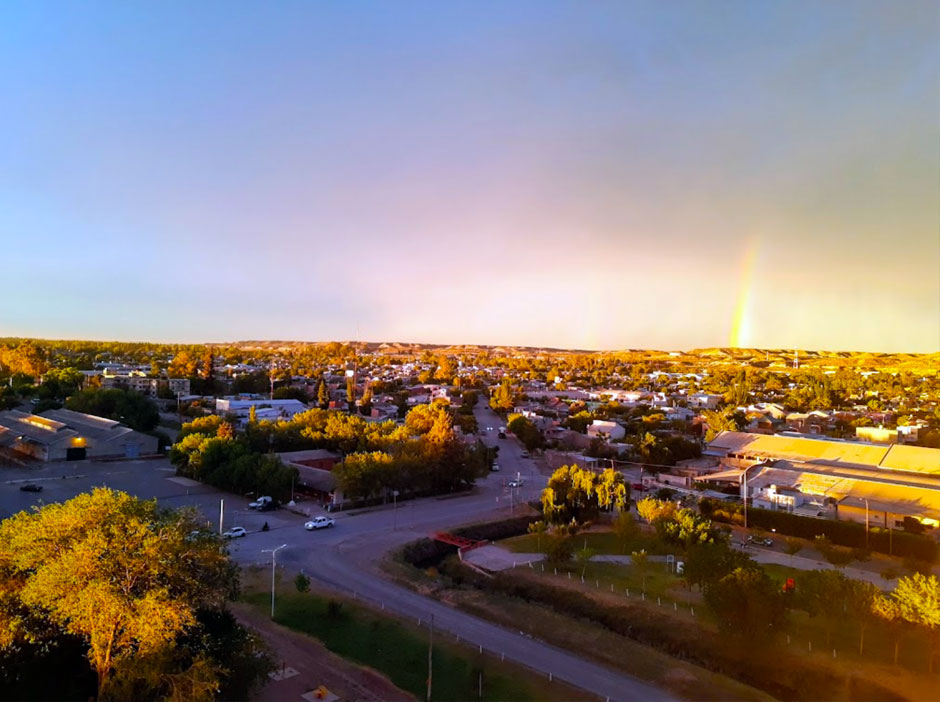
[{"x": 315, "y": 666}]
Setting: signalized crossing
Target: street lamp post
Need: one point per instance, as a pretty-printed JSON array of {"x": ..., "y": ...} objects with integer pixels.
[{"x": 273, "y": 553}]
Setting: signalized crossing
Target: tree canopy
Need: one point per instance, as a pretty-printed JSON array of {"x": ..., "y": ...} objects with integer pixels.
[{"x": 127, "y": 579}]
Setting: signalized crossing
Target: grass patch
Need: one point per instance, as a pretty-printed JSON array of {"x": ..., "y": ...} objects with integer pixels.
[
  {"x": 400, "y": 651},
  {"x": 602, "y": 542}
]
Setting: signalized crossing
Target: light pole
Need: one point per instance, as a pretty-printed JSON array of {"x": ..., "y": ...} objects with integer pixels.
[{"x": 273, "y": 552}]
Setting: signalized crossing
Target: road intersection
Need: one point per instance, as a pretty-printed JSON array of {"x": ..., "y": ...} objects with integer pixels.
[{"x": 347, "y": 558}]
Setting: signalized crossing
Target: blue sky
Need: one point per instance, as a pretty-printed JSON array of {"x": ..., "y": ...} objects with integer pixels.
[{"x": 586, "y": 174}]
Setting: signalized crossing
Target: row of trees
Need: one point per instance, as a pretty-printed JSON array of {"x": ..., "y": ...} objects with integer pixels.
[{"x": 133, "y": 594}]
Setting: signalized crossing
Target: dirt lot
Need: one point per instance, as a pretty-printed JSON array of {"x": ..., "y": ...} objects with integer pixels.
[{"x": 315, "y": 666}]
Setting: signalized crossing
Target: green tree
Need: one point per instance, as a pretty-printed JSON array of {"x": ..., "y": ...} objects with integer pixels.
[
  {"x": 323, "y": 395},
  {"x": 747, "y": 604},
  {"x": 302, "y": 583},
  {"x": 640, "y": 561},
  {"x": 539, "y": 528},
  {"x": 824, "y": 594},
  {"x": 918, "y": 600},
  {"x": 119, "y": 573},
  {"x": 126, "y": 406},
  {"x": 584, "y": 556},
  {"x": 625, "y": 529}
]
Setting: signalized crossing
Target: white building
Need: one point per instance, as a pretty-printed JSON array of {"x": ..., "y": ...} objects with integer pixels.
[{"x": 607, "y": 430}]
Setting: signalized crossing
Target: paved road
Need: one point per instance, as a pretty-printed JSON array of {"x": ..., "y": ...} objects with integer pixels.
[{"x": 346, "y": 558}]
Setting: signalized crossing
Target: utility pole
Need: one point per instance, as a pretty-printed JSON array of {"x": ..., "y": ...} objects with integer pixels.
[
  {"x": 430, "y": 657},
  {"x": 273, "y": 553},
  {"x": 221, "y": 514},
  {"x": 745, "y": 498}
]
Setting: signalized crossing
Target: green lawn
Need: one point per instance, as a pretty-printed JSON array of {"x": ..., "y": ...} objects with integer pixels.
[
  {"x": 605, "y": 542},
  {"x": 400, "y": 651}
]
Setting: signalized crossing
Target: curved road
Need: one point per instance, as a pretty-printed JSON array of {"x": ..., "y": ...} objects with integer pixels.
[{"x": 346, "y": 559}]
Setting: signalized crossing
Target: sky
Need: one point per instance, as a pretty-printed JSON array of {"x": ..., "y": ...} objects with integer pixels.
[{"x": 584, "y": 174}]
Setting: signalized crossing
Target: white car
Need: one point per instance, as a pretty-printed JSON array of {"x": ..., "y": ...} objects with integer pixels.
[
  {"x": 494, "y": 467},
  {"x": 516, "y": 483},
  {"x": 234, "y": 533},
  {"x": 319, "y": 523}
]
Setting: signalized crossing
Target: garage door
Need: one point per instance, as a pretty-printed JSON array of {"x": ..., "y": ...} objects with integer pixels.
[
  {"x": 131, "y": 450},
  {"x": 75, "y": 454}
]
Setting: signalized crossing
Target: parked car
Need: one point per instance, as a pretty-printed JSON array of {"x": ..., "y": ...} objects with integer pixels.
[
  {"x": 639, "y": 487},
  {"x": 234, "y": 533},
  {"x": 494, "y": 467},
  {"x": 516, "y": 483},
  {"x": 525, "y": 454},
  {"x": 262, "y": 503},
  {"x": 319, "y": 523},
  {"x": 31, "y": 487}
]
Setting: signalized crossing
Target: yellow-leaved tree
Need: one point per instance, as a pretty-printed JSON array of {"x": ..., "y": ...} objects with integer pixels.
[{"x": 121, "y": 574}]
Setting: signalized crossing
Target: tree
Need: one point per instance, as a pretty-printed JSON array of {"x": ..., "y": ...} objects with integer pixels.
[
  {"x": 641, "y": 563},
  {"x": 124, "y": 576},
  {"x": 747, "y": 604},
  {"x": 126, "y": 406},
  {"x": 576, "y": 493},
  {"x": 323, "y": 395},
  {"x": 302, "y": 583},
  {"x": 560, "y": 548},
  {"x": 824, "y": 594},
  {"x": 252, "y": 415},
  {"x": 707, "y": 563},
  {"x": 584, "y": 557},
  {"x": 652, "y": 510},
  {"x": 887, "y": 610},
  {"x": 861, "y": 597},
  {"x": 501, "y": 399},
  {"x": 724, "y": 420},
  {"x": 625, "y": 529},
  {"x": 918, "y": 600},
  {"x": 538, "y": 528}
]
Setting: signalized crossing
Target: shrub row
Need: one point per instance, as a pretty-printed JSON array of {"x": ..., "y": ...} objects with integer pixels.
[
  {"x": 851, "y": 534},
  {"x": 783, "y": 675}
]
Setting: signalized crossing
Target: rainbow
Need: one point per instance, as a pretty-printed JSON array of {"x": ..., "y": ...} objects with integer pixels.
[{"x": 741, "y": 323}]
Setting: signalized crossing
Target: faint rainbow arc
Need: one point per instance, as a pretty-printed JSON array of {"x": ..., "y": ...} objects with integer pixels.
[{"x": 741, "y": 323}]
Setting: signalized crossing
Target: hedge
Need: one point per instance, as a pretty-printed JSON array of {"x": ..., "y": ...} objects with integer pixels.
[{"x": 851, "y": 534}]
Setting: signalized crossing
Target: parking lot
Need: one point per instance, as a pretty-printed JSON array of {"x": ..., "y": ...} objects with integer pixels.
[{"x": 146, "y": 479}]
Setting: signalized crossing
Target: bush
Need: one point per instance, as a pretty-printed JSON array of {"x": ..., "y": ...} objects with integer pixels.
[{"x": 848, "y": 534}]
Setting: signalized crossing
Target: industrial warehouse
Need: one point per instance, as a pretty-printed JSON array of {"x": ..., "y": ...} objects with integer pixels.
[
  {"x": 882, "y": 485},
  {"x": 66, "y": 435}
]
